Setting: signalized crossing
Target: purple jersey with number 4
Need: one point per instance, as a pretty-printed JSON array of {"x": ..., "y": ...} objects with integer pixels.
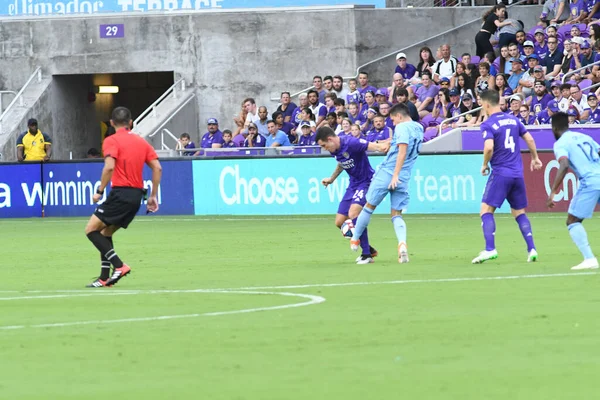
[{"x": 505, "y": 130}]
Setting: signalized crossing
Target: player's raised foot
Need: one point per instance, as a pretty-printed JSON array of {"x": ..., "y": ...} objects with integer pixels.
[
  {"x": 532, "y": 256},
  {"x": 97, "y": 283},
  {"x": 402, "y": 253},
  {"x": 365, "y": 259},
  {"x": 374, "y": 252},
  {"x": 118, "y": 274},
  {"x": 354, "y": 245},
  {"x": 485, "y": 256},
  {"x": 590, "y": 263}
]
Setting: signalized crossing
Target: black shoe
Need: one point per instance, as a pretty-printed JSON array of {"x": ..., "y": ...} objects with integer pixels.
[
  {"x": 97, "y": 283},
  {"x": 374, "y": 252}
]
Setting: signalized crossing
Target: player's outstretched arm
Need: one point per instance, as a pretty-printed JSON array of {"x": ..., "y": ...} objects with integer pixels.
[
  {"x": 560, "y": 176},
  {"x": 381, "y": 146},
  {"x": 402, "y": 147},
  {"x": 536, "y": 163},
  {"x": 328, "y": 181}
]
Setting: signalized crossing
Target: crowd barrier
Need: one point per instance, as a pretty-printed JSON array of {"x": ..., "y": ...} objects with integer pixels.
[{"x": 440, "y": 184}]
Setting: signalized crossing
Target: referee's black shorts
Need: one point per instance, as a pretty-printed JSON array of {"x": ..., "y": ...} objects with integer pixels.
[{"x": 120, "y": 207}]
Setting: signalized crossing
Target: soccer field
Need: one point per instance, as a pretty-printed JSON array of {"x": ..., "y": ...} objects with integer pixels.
[{"x": 294, "y": 317}]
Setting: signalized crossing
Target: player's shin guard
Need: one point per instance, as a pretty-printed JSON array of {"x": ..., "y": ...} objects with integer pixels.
[
  {"x": 105, "y": 247},
  {"x": 525, "y": 227},
  {"x": 489, "y": 230},
  {"x": 399, "y": 228},
  {"x": 361, "y": 222},
  {"x": 364, "y": 240},
  {"x": 579, "y": 236}
]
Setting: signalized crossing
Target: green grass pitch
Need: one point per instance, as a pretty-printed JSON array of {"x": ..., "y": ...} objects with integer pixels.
[{"x": 442, "y": 330}]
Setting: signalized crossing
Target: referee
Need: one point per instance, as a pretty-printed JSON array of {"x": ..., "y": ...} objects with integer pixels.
[{"x": 125, "y": 154}]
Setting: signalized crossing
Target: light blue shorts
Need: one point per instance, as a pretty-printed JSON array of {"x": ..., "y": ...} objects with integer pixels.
[
  {"x": 378, "y": 189},
  {"x": 585, "y": 200}
]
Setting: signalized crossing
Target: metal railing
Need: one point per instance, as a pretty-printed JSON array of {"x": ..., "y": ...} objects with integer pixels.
[
  {"x": 151, "y": 110},
  {"x": 19, "y": 96},
  {"x": 402, "y": 50},
  {"x": 564, "y": 78},
  {"x": 5, "y": 92},
  {"x": 174, "y": 113},
  {"x": 455, "y": 117},
  {"x": 163, "y": 145}
]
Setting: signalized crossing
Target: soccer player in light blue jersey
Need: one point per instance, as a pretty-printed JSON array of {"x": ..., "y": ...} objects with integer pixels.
[
  {"x": 580, "y": 152},
  {"x": 392, "y": 177}
]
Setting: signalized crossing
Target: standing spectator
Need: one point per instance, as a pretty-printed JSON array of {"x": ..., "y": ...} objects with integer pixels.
[
  {"x": 276, "y": 138},
  {"x": 485, "y": 81},
  {"x": 263, "y": 117},
  {"x": 227, "y": 139},
  {"x": 240, "y": 120},
  {"x": 363, "y": 80},
  {"x": 308, "y": 137},
  {"x": 338, "y": 87},
  {"x": 303, "y": 100},
  {"x": 251, "y": 111},
  {"x": 426, "y": 95},
  {"x": 408, "y": 71},
  {"x": 213, "y": 139},
  {"x": 594, "y": 113},
  {"x": 254, "y": 139},
  {"x": 402, "y": 97},
  {"x": 554, "y": 11},
  {"x": 502, "y": 85},
  {"x": 446, "y": 66},
  {"x": 286, "y": 107},
  {"x": 489, "y": 26},
  {"x": 353, "y": 95},
  {"x": 578, "y": 11},
  {"x": 426, "y": 61},
  {"x": 328, "y": 84},
  {"x": 33, "y": 144},
  {"x": 508, "y": 32},
  {"x": 318, "y": 84},
  {"x": 185, "y": 142},
  {"x": 318, "y": 109}
]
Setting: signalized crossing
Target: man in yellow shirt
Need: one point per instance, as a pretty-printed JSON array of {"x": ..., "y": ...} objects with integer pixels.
[{"x": 33, "y": 145}]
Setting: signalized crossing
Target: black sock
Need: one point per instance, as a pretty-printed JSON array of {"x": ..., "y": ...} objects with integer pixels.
[
  {"x": 105, "y": 264},
  {"x": 104, "y": 246}
]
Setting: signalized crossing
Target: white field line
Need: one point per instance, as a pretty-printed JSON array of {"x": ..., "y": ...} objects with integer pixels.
[{"x": 312, "y": 299}]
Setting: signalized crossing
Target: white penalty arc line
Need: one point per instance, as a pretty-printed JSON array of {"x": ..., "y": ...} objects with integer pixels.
[{"x": 312, "y": 300}]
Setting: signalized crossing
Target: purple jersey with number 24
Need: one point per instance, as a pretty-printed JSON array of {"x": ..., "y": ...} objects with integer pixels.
[{"x": 505, "y": 130}]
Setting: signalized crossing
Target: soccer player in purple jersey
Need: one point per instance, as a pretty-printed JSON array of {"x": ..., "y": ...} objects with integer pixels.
[
  {"x": 351, "y": 155},
  {"x": 502, "y": 150}
]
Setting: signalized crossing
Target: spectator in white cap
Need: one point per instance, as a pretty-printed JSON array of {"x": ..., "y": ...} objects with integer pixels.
[
  {"x": 515, "y": 105},
  {"x": 408, "y": 71},
  {"x": 213, "y": 139},
  {"x": 527, "y": 48}
]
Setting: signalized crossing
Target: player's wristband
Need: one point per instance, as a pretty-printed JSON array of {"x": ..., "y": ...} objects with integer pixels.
[{"x": 100, "y": 192}]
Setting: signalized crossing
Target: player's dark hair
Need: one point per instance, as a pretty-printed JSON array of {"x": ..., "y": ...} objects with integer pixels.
[
  {"x": 401, "y": 109},
  {"x": 121, "y": 116},
  {"x": 560, "y": 122},
  {"x": 490, "y": 96},
  {"x": 323, "y": 133}
]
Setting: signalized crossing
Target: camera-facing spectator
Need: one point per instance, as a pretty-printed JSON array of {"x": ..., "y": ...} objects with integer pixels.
[
  {"x": 213, "y": 139},
  {"x": 276, "y": 137},
  {"x": 307, "y": 138},
  {"x": 363, "y": 80},
  {"x": 338, "y": 87},
  {"x": 254, "y": 139},
  {"x": 446, "y": 65},
  {"x": 406, "y": 70},
  {"x": 346, "y": 127},
  {"x": 402, "y": 97},
  {"x": 286, "y": 107},
  {"x": 318, "y": 109},
  {"x": 283, "y": 126},
  {"x": 228, "y": 139},
  {"x": 353, "y": 95},
  {"x": 318, "y": 84},
  {"x": 263, "y": 117},
  {"x": 594, "y": 113},
  {"x": 426, "y": 95},
  {"x": 303, "y": 100},
  {"x": 356, "y": 131},
  {"x": 426, "y": 61},
  {"x": 33, "y": 144},
  {"x": 185, "y": 142},
  {"x": 525, "y": 117}
]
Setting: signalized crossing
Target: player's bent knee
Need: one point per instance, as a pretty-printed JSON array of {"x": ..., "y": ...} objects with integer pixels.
[{"x": 571, "y": 219}]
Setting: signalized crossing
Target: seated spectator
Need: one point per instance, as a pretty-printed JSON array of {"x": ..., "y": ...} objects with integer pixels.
[
  {"x": 363, "y": 80},
  {"x": 517, "y": 73},
  {"x": 341, "y": 116},
  {"x": 261, "y": 123},
  {"x": 540, "y": 47},
  {"x": 525, "y": 117},
  {"x": 546, "y": 115},
  {"x": 213, "y": 139},
  {"x": 578, "y": 100},
  {"x": 469, "y": 119},
  {"x": 521, "y": 38},
  {"x": 472, "y": 73},
  {"x": 184, "y": 142},
  {"x": 227, "y": 139},
  {"x": 406, "y": 70},
  {"x": 318, "y": 109},
  {"x": 594, "y": 112},
  {"x": 453, "y": 109},
  {"x": 554, "y": 58},
  {"x": 379, "y": 132},
  {"x": 331, "y": 120},
  {"x": 444, "y": 83},
  {"x": 369, "y": 102},
  {"x": 441, "y": 106},
  {"x": 514, "y": 103},
  {"x": 371, "y": 114},
  {"x": 254, "y": 139},
  {"x": 573, "y": 116},
  {"x": 463, "y": 84},
  {"x": 485, "y": 81},
  {"x": 306, "y": 116},
  {"x": 402, "y": 97},
  {"x": 528, "y": 49},
  {"x": 303, "y": 100},
  {"x": 586, "y": 57},
  {"x": 353, "y": 95},
  {"x": 384, "y": 110},
  {"x": 276, "y": 137},
  {"x": 460, "y": 69},
  {"x": 340, "y": 105},
  {"x": 356, "y": 131},
  {"x": 381, "y": 95},
  {"x": 446, "y": 66},
  {"x": 465, "y": 58},
  {"x": 307, "y": 138},
  {"x": 346, "y": 127},
  {"x": 502, "y": 85},
  {"x": 426, "y": 61},
  {"x": 286, "y": 107},
  {"x": 354, "y": 113},
  {"x": 540, "y": 98},
  {"x": 397, "y": 82},
  {"x": 562, "y": 102},
  {"x": 327, "y": 85},
  {"x": 338, "y": 87},
  {"x": 528, "y": 80},
  {"x": 94, "y": 153},
  {"x": 503, "y": 105},
  {"x": 329, "y": 105},
  {"x": 426, "y": 95},
  {"x": 285, "y": 127},
  {"x": 240, "y": 138}
]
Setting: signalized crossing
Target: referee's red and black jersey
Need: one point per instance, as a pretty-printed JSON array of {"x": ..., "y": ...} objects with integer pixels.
[{"x": 131, "y": 152}]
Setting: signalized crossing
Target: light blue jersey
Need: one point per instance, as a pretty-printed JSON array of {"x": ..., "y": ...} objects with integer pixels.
[
  {"x": 582, "y": 152},
  {"x": 410, "y": 133}
]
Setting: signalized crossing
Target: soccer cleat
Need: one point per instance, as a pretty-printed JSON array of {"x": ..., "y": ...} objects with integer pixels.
[
  {"x": 402, "y": 253},
  {"x": 365, "y": 259},
  {"x": 532, "y": 257},
  {"x": 590, "y": 263},
  {"x": 354, "y": 245},
  {"x": 485, "y": 256},
  {"x": 374, "y": 252},
  {"x": 118, "y": 274},
  {"x": 97, "y": 283}
]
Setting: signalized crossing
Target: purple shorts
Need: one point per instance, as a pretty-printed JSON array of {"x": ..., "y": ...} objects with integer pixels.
[
  {"x": 354, "y": 195},
  {"x": 500, "y": 188}
]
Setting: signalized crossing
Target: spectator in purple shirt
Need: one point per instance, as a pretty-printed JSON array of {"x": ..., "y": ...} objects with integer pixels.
[
  {"x": 384, "y": 110},
  {"x": 286, "y": 107},
  {"x": 318, "y": 84},
  {"x": 525, "y": 117},
  {"x": 408, "y": 71},
  {"x": 308, "y": 137},
  {"x": 363, "y": 80},
  {"x": 283, "y": 126},
  {"x": 213, "y": 138},
  {"x": 356, "y": 132},
  {"x": 426, "y": 95},
  {"x": 540, "y": 47},
  {"x": 354, "y": 113},
  {"x": 353, "y": 95},
  {"x": 185, "y": 142},
  {"x": 340, "y": 105},
  {"x": 227, "y": 139},
  {"x": 303, "y": 99},
  {"x": 254, "y": 139},
  {"x": 502, "y": 86},
  {"x": 380, "y": 132},
  {"x": 370, "y": 102},
  {"x": 540, "y": 98},
  {"x": 578, "y": 12},
  {"x": 594, "y": 117}
]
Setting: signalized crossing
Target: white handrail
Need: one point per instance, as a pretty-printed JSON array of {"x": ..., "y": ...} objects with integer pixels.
[
  {"x": 19, "y": 96},
  {"x": 5, "y": 92},
  {"x": 458, "y": 116},
  {"x": 564, "y": 78},
  {"x": 152, "y": 108},
  {"x": 174, "y": 113},
  {"x": 358, "y": 69},
  {"x": 162, "y": 138}
]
